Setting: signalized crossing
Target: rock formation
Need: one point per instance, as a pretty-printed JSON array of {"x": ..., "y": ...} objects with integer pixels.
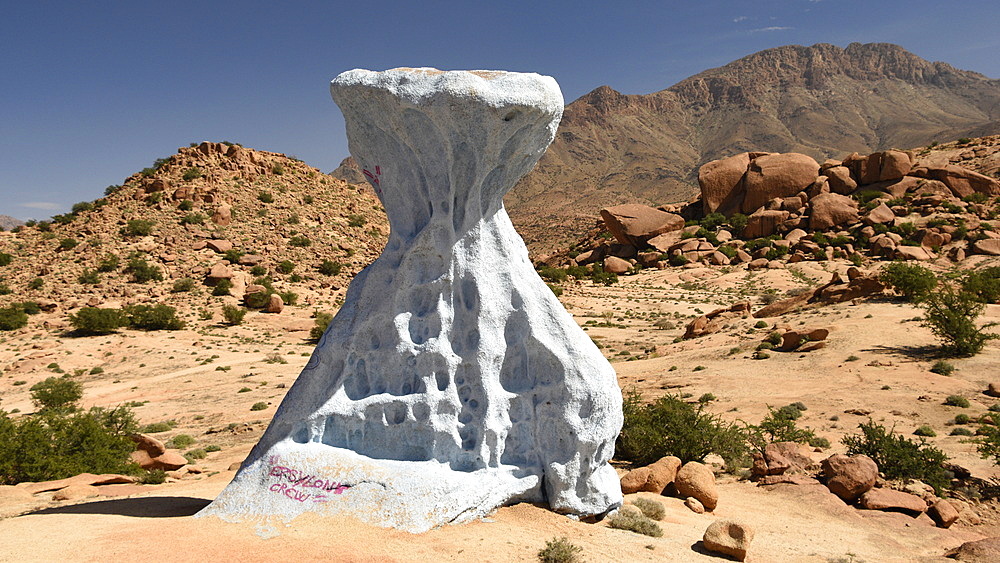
[{"x": 451, "y": 381}]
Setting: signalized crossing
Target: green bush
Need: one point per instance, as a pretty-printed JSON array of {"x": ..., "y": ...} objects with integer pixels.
[
  {"x": 233, "y": 315},
  {"x": 988, "y": 442},
  {"x": 5, "y": 259},
  {"x": 180, "y": 441},
  {"x": 153, "y": 477},
  {"x": 29, "y": 307},
  {"x": 257, "y": 300},
  {"x": 68, "y": 244},
  {"x": 925, "y": 430},
  {"x": 356, "y": 220},
  {"x": 912, "y": 281},
  {"x": 300, "y": 241},
  {"x": 193, "y": 219},
  {"x": 598, "y": 275},
  {"x": 191, "y": 174},
  {"x": 285, "y": 266},
  {"x": 156, "y": 427},
  {"x": 265, "y": 197},
  {"x": 36, "y": 283},
  {"x": 322, "y": 321},
  {"x": 13, "y": 318},
  {"x": 89, "y": 277},
  {"x": 677, "y": 260},
  {"x": 288, "y": 297},
  {"x": 109, "y": 263},
  {"x": 957, "y": 401},
  {"x": 898, "y": 457},
  {"x": 182, "y": 285},
  {"x": 258, "y": 271},
  {"x": 222, "y": 287},
  {"x": 962, "y": 419},
  {"x": 258, "y": 406},
  {"x": 91, "y": 321},
  {"x": 277, "y": 170},
  {"x": 142, "y": 271},
  {"x": 153, "y": 317},
  {"x": 670, "y": 426},
  {"x": 56, "y": 393},
  {"x": 779, "y": 426},
  {"x": 559, "y": 550},
  {"x": 330, "y": 268},
  {"x": 139, "y": 227},
  {"x": 5, "y": 289},
  {"x": 632, "y": 519},
  {"x": 186, "y": 205},
  {"x": 951, "y": 315},
  {"x": 942, "y": 367},
  {"x": 984, "y": 284}
]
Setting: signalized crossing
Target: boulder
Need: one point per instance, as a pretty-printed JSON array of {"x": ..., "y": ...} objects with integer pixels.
[
  {"x": 635, "y": 480},
  {"x": 219, "y": 272},
  {"x": 777, "y": 175},
  {"x": 220, "y": 246},
  {"x": 635, "y": 223},
  {"x": 694, "y": 505},
  {"x": 943, "y": 513},
  {"x": 979, "y": 551},
  {"x": 663, "y": 472},
  {"x": 883, "y": 166},
  {"x": 168, "y": 461},
  {"x": 274, "y": 304},
  {"x": 961, "y": 181},
  {"x": 728, "y": 537},
  {"x": 849, "y": 477},
  {"x": 892, "y": 501},
  {"x": 148, "y": 444},
  {"x": 721, "y": 183},
  {"x": 781, "y": 457},
  {"x": 993, "y": 389},
  {"x": 81, "y": 480},
  {"x": 616, "y": 265},
  {"x": 697, "y": 480},
  {"x": 828, "y": 210},
  {"x": 880, "y": 215},
  {"x": 904, "y": 252},
  {"x": 76, "y": 492},
  {"x": 763, "y": 222},
  {"x": 223, "y": 215},
  {"x": 840, "y": 181},
  {"x": 989, "y": 246}
]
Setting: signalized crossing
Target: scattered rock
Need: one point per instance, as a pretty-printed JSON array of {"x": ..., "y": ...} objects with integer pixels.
[
  {"x": 695, "y": 505},
  {"x": 616, "y": 265},
  {"x": 892, "y": 501},
  {"x": 219, "y": 272},
  {"x": 76, "y": 492},
  {"x": 849, "y": 477},
  {"x": 776, "y": 175},
  {"x": 943, "y": 513},
  {"x": 274, "y": 304},
  {"x": 828, "y": 210},
  {"x": 979, "y": 551},
  {"x": 729, "y": 538},
  {"x": 219, "y": 246}
]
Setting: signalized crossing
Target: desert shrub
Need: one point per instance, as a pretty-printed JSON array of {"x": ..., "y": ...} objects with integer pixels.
[
  {"x": 233, "y": 314},
  {"x": 598, "y": 275},
  {"x": 213, "y": 448},
  {"x": 152, "y": 317},
  {"x": 356, "y": 220},
  {"x": 139, "y": 227},
  {"x": 961, "y": 432},
  {"x": 984, "y": 284},
  {"x": 288, "y": 297},
  {"x": 81, "y": 207},
  {"x": 330, "y": 268},
  {"x": 555, "y": 275},
  {"x": 713, "y": 221},
  {"x": 29, "y": 307},
  {"x": 89, "y": 277},
  {"x": 257, "y": 300},
  {"x": 925, "y": 430},
  {"x": 951, "y": 315},
  {"x": 109, "y": 263},
  {"x": 265, "y": 197},
  {"x": 258, "y": 271},
  {"x": 632, "y": 519},
  {"x": 92, "y": 321},
  {"x": 193, "y": 219},
  {"x": 258, "y": 406},
  {"x": 36, "y": 283},
  {"x": 322, "y": 321},
  {"x": 300, "y": 241},
  {"x": 5, "y": 259},
  {"x": 277, "y": 170},
  {"x": 191, "y": 174},
  {"x": 962, "y": 419},
  {"x": 819, "y": 442},
  {"x": 68, "y": 244},
  {"x": 142, "y": 271},
  {"x": 779, "y": 426},
  {"x": 182, "y": 285},
  {"x": 59, "y": 443},
  {"x": 5, "y": 289},
  {"x": 911, "y": 281},
  {"x": 757, "y": 243},
  {"x": 186, "y": 205},
  {"x": 222, "y": 287},
  {"x": 957, "y": 401},
  {"x": 13, "y": 318},
  {"x": 650, "y": 508},
  {"x": 153, "y": 477},
  {"x": 898, "y": 457},
  {"x": 776, "y": 252},
  {"x": 559, "y": 550},
  {"x": 56, "y": 393},
  {"x": 738, "y": 222},
  {"x": 670, "y": 426},
  {"x": 180, "y": 441},
  {"x": 942, "y": 367},
  {"x": 195, "y": 454},
  {"x": 677, "y": 260},
  {"x": 988, "y": 442},
  {"x": 285, "y": 266},
  {"x": 156, "y": 427},
  {"x": 729, "y": 251}
]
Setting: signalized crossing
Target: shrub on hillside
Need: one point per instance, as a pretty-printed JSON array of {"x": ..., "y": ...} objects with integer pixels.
[
  {"x": 984, "y": 284},
  {"x": 257, "y": 300},
  {"x": 322, "y": 321},
  {"x": 233, "y": 314},
  {"x": 68, "y": 244},
  {"x": 55, "y": 393},
  {"x": 285, "y": 266},
  {"x": 330, "y": 268},
  {"x": 951, "y": 315},
  {"x": 12, "y": 318},
  {"x": 559, "y": 550},
  {"x": 222, "y": 287},
  {"x": 670, "y": 426},
  {"x": 93, "y": 321},
  {"x": 300, "y": 241},
  {"x": 89, "y": 277},
  {"x": 191, "y": 174},
  {"x": 898, "y": 457},
  {"x": 109, "y": 263},
  {"x": 152, "y": 317},
  {"x": 779, "y": 426},
  {"x": 911, "y": 281},
  {"x": 5, "y": 259},
  {"x": 139, "y": 227},
  {"x": 182, "y": 285},
  {"x": 142, "y": 271}
]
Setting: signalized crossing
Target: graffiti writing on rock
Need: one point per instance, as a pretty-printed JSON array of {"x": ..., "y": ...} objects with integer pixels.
[
  {"x": 375, "y": 179},
  {"x": 301, "y": 486}
]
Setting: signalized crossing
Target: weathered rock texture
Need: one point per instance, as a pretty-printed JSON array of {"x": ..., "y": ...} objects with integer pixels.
[{"x": 452, "y": 381}]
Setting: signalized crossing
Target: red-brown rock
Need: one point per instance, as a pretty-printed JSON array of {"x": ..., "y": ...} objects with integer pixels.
[
  {"x": 840, "y": 181},
  {"x": 849, "y": 477},
  {"x": 828, "y": 210},
  {"x": 721, "y": 183},
  {"x": 879, "y": 215},
  {"x": 989, "y": 246},
  {"x": 219, "y": 246},
  {"x": 777, "y": 175},
  {"x": 979, "y": 551},
  {"x": 635, "y": 224},
  {"x": 763, "y": 222},
  {"x": 223, "y": 215},
  {"x": 698, "y": 481},
  {"x": 961, "y": 181},
  {"x": 274, "y": 304},
  {"x": 729, "y": 538},
  {"x": 943, "y": 513},
  {"x": 220, "y": 272},
  {"x": 892, "y": 501}
]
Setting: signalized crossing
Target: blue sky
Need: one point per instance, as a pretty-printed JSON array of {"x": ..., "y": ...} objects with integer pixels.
[{"x": 91, "y": 94}]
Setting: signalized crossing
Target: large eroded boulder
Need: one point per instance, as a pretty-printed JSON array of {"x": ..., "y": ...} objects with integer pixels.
[
  {"x": 635, "y": 224},
  {"x": 777, "y": 175},
  {"x": 829, "y": 210},
  {"x": 849, "y": 477}
]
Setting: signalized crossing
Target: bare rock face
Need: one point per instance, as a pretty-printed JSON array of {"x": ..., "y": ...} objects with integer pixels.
[
  {"x": 961, "y": 181},
  {"x": 777, "y": 175},
  {"x": 634, "y": 224},
  {"x": 895, "y": 501},
  {"x": 729, "y": 538},
  {"x": 828, "y": 210},
  {"x": 943, "y": 513},
  {"x": 839, "y": 178},
  {"x": 849, "y": 477},
  {"x": 451, "y": 381},
  {"x": 721, "y": 183}
]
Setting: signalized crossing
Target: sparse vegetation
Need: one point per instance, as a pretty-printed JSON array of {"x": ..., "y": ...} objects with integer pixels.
[
  {"x": 632, "y": 519},
  {"x": 652, "y": 509},
  {"x": 95, "y": 321},
  {"x": 142, "y": 271},
  {"x": 330, "y": 268},
  {"x": 233, "y": 315},
  {"x": 12, "y": 318},
  {"x": 182, "y": 285},
  {"x": 957, "y": 401},
  {"x": 139, "y": 227},
  {"x": 560, "y": 550},
  {"x": 259, "y": 406},
  {"x": 898, "y": 457},
  {"x": 912, "y": 281},
  {"x": 951, "y": 315}
]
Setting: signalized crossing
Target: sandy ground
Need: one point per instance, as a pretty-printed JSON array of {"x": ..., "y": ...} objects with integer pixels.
[{"x": 205, "y": 379}]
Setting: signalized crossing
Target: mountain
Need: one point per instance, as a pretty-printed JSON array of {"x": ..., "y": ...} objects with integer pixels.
[
  {"x": 277, "y": 216},
  {"x": 7, "y": 222},
  {"x": 823, "y": 100}
]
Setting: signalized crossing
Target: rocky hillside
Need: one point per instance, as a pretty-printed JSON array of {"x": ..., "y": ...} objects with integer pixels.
[
  {"x": 7, "y": 222},
  {"x": 212, "y": 211},
  {"x": 823, "y": 101}
]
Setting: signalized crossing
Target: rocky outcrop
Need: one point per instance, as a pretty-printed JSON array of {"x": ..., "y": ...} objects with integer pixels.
[{"x": 635, "y": 224}]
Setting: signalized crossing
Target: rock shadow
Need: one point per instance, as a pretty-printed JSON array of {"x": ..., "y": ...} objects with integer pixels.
[
  {"x": 921, "y": 353},
  {"x": 699, "y": 547},
  {"x": 141, "y": 507}
]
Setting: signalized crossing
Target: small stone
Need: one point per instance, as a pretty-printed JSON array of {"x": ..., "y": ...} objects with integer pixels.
[
  {"x": 943, "y": 513},
  {"x": 695, "y": 505}
]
